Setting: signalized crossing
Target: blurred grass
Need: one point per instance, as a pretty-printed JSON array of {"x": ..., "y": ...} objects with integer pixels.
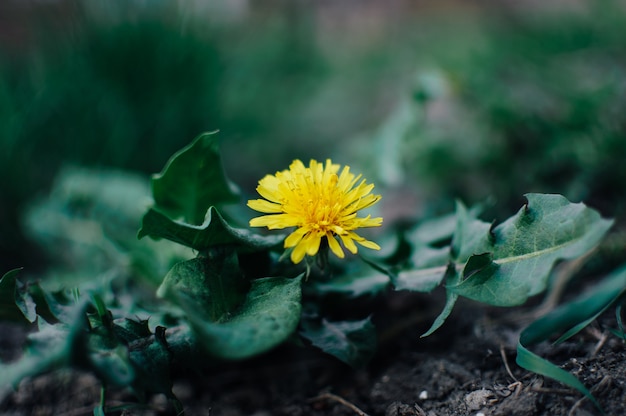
[{"x": 456, "y": 101}]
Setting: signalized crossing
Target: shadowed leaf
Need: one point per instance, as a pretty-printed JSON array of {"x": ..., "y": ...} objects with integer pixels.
[
  {"x": 192, "y": 181},
  {"x": 353, "y": 342},
  {"x": 215, "y": 231},
  {"x": 16, "y": 303},
  {"x": 268, "y": 316}
]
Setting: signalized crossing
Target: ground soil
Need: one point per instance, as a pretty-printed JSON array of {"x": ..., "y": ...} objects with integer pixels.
[{"x": 460, "y": 370}]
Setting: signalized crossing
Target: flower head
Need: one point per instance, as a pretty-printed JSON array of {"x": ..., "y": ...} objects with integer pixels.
[{"x": 320, "y": 202}]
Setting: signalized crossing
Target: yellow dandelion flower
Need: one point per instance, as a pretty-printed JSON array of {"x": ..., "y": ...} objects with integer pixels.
[{"x": 320, "y": 202}]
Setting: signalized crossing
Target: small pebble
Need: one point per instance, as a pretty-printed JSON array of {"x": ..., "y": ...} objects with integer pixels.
[{"x": 423, "y": 395}]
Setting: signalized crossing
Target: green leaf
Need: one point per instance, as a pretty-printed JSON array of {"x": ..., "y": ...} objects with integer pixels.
[
  {"x": 16, "y": 304},
  {"x": 430, "y": 264},
  {"x": 471, "y": 235},
  {"x": 569, "y": 315},
  {"x": 269, "y": 315},
  {"x": 422, "y": 276},
  {"x": 452, "y": 278},
  {"x": 504, "y": 265},
  {"x": 213, "y": 283},
  {"x": 51, "y": 348},
  {"x": 124, "y": 354},
  {"x": 526, "y": 246},
  {"x": 419, "y": 280},
  {"x": 215, "y": 231},
  {"x": 353, "y": 342},
  {"x": 366, "y": 279},
  {"x": 569, "y": 318},
  {"x": 433, "y": 230},
  {"x": 151, "y": 359},
  {"x": 532, "y": 362},
  {"x": 354, "y": 285},
  {"x": 192, "y": 181}
]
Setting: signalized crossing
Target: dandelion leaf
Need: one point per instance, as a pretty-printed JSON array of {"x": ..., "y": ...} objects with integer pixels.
[
  {"x": 354, "y": 285},
  {"x": 353, "y": 342},
  {"x": 430, "y": 263},
  {"x": 16, "y": 304},
  {"x": 525, "y": 247},
  {"x": 268, "y": 316},
  {"x": 215, "y": 231},
  {"x": 192, "y": 181},
  {"x": 212, "y": 283}
]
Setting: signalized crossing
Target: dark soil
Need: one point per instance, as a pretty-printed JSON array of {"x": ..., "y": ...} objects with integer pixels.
[{"x": 459, "y": 370}]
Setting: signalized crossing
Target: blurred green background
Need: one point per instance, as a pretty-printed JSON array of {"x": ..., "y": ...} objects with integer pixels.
[{"x": 433, "y": 101}]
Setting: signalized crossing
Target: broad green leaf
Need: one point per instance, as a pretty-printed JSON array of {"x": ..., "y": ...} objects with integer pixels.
[
  {"x": 526, "y": 246},
  {"x": 505, "y": 265},
  {"x": 16, "y": 304},
  {"x": 213, "y": 283},
  {"x": 569, "y": 319},
  {"x": 215, "y": 231},
  {"x": 353, "y": 342},
  {"x": 192, "y": 181},
  {"x": 269, "y": 315}
]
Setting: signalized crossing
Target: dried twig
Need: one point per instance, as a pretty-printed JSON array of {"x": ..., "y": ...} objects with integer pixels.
[
  {"x": 340, "y": 400},
  {"x": 506, "y": 363},
  {"x": 601, "y": 336},
  {"x": 563, "y": 275}
]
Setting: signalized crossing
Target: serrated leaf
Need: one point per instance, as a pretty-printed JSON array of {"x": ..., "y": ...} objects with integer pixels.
[
  {"x": 569, "y": 319},
  {"x": 213, "y": 232},
  {"x": 125, "y": 354},
  {"x": 353, "y": 342},
  {"x": 526, "y": 246},
  {"x": 48, "y": 349},
  {"x": 213, "y": 283},
  {"x": 269, "y": 315},
  {"x": 16, "y": 304},
  {"x": 192, "y": 181},
  {"x": 151, "y": 360}
]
